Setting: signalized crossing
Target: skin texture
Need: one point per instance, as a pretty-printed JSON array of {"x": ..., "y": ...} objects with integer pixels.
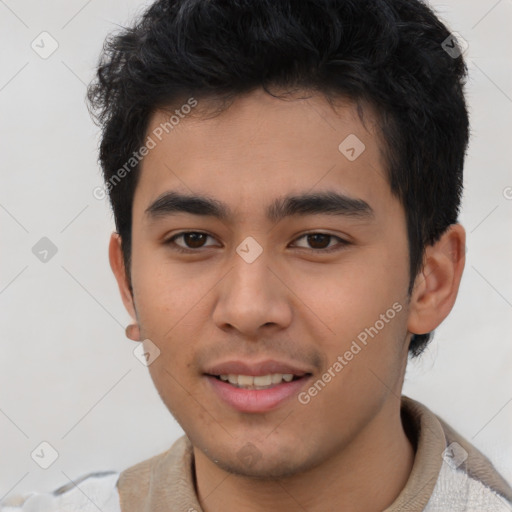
[{"x": 348, "y": 444}]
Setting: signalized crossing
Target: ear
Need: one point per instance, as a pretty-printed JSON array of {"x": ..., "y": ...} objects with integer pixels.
[
  {"x": 115, "y": 256},
  {"x": 437, "y": 284}
]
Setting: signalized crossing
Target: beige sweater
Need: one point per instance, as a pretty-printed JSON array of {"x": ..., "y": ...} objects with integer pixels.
[{"x": 448, "y": 475}]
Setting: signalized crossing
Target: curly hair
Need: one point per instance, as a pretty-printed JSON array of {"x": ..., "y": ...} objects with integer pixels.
[{"x": 389, "y": 54}]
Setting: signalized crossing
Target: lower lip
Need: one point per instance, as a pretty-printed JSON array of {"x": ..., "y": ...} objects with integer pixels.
[{"x": 256, "y": 400}]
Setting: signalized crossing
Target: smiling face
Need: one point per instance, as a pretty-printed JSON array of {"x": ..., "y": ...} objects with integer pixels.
[{"x": 309, "y": 278}]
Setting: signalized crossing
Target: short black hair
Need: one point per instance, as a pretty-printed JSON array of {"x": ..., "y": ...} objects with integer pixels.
[{"x": 389, "y": 54}]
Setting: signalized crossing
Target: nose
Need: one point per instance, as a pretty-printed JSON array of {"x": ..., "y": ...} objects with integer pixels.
[{"x": 251, "y": 298}]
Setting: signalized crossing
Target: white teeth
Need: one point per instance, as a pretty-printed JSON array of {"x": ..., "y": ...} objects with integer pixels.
[
  {"x": 245, "y": 380},
  {"x": 277, "y": 378},
  {"x": 262, "y": 380},
  {"x": 258, "y": 382}
]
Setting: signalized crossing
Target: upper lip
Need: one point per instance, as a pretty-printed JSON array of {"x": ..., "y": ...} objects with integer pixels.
[{"x": 255, "y": 368}]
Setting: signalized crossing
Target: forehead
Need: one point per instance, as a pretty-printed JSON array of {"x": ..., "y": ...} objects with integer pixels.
[{"x": 260, "y": 147}]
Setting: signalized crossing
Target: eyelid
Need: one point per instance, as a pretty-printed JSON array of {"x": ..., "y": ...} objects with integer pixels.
[
  {"x": 341, "y": 242},
  {"x": 171, "y": 241}
]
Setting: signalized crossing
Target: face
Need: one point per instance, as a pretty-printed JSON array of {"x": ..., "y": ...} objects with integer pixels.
[{"x": 314, "y": 286}]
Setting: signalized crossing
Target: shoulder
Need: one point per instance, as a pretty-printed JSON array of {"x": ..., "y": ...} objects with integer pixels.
[
  {"x": 457, "y": 491},
  {"x": 91, "y": 492},
  {"x": 449, "y": 472},
  {"x": 468, "y": 478}
]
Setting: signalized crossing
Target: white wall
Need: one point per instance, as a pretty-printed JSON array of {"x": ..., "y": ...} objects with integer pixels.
[{"x": 67, "y": 373}]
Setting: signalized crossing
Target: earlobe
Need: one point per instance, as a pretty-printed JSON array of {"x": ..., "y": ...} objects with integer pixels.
[
  {"x": 115, "y": 255},
  {"x": 133, "y": 332},
  {"x": 437, "y": 284}
]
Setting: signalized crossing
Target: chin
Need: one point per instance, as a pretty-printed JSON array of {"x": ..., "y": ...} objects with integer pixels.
[
  {"x": 260, "y": 470},
  {"x": 262, "y": 461}
]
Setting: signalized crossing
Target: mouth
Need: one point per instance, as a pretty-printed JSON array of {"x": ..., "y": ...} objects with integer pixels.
[
  {"x": 256, "y": 394},
  {"x": 256, "y": 386},
  {"x": 258, "y": 382}
]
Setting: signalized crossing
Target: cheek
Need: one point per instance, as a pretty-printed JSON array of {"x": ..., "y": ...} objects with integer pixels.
[
  {"x": 352, "y": 293},
  {"x": 171, "y": 304},
  {"x": 356, "y": 310},
  {"x": 164, "y": 290}
]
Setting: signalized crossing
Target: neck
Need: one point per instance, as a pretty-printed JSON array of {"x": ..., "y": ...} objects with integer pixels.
[{"x": 368, "y": 474}]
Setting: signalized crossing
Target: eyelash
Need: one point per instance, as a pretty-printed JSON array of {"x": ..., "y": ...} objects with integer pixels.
[{"x": 342, "y": 243}]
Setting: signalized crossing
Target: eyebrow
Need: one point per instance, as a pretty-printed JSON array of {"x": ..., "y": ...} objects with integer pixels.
[{"x": 330, "y": 202}]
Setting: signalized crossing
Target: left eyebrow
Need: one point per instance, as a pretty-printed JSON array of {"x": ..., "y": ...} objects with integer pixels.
[{"x": 329, "y": 202}]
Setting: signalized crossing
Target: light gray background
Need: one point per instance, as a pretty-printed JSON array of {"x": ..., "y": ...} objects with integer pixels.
[{"x": 68, "y": 375}]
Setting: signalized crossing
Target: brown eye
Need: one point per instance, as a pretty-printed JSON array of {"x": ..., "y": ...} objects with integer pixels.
[
  {"x": 194, "y": 240},
  {"x": 321, "y": 242},
  {"x": 189, "y": 240}
]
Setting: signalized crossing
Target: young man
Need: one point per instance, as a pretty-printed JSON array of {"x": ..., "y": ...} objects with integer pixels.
[{"x": 286, "y": 178}]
